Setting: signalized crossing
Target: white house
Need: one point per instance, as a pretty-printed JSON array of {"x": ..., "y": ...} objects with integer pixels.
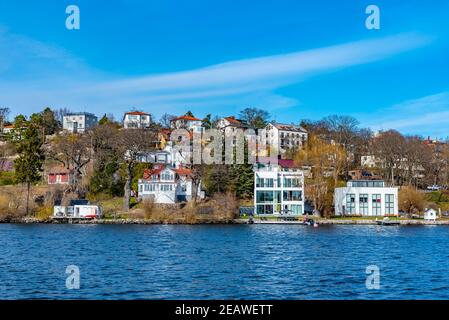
[
  {"x": 369, "y": 161},
  {"x": 136, "y": 119},
  {"x": 79, "y": 122},
  {"x": 288, "y": 136},
  {"x": 278, "y": 188},
  {"x": 430, "y": 214},
  {"x": 230, "y": 124},
  {"x": 167, "y": 185},
  {"x": 8, "y": 128},
  {"x": 366, "y": 198},
  {"x": 171, "y": 156},
  {"x": 187, "y": 122}
]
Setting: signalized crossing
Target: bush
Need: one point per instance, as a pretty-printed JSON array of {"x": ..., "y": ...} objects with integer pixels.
[
  {"x": 6, "y": 178},
  {"x": 411, "y": 200}
]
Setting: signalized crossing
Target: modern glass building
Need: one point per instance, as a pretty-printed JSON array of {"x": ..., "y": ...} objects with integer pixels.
[
  {"x": 278, "y": 188},
  {"x": 366, "y": 198}
]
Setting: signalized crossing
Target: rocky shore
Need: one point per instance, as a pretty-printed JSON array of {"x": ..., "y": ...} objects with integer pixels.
[{"x": 31, "y": 220}]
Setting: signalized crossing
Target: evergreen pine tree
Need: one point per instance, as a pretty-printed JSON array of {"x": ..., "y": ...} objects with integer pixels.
[{"x": 28, "y": 165}]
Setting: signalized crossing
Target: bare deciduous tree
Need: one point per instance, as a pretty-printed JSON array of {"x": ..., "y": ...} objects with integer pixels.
[
  {"x": 74, "y": 152},
  {"x": 130, "y": 144}
]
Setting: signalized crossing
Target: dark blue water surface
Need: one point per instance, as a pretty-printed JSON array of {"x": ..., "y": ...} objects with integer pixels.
[{"x": 223, "y": 261}]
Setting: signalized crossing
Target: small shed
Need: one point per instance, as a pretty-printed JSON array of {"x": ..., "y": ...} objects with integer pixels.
[{"x": 430, "y": 214}]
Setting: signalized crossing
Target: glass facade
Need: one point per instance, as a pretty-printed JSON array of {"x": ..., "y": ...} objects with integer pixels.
[
  {"x": 367, "y": 184},
  {"x": 389, "y": 204},
  {"x": 350, "y": 203},
  {"x": 363, "y": 204},
  {"x": 377, "y": 204},
  {"x": 292, "y": 196},
  {"x": 264, "y": 196}
]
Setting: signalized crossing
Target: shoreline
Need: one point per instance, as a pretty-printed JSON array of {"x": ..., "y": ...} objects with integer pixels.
[{"x": 30, "y": 220}]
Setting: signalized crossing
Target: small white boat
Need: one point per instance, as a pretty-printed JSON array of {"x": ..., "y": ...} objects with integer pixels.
[{"x": 387, "y": 222}]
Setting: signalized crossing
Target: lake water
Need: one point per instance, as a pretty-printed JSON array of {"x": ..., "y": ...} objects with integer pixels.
[{"x": 223, "y": 261}]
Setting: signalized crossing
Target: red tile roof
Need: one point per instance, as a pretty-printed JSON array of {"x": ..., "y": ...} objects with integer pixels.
[
  {"x": 138, "y": 113},
  {"x": 284, "y": 163},
  {"x": 159, "y": 168},
  {"x": 188, "y": 118},
  {"x": 287, "y": 163},
  {"x": 183, "y": 171},
  {"x": 233, "y": 120}
]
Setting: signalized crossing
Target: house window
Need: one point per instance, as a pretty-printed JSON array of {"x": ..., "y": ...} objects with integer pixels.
[
  {"x": 296, "y": 209},
  {"x": 292, "y": 195},
  {"x": 264, "y": 196},
  {"x": 149, "y": 187},
  {"x": 288, "y": 183},
  {"x": 389, "y": 204},
  {"x": 377, "y": 204},
  {"x": 264, "y": 183},
  {"x": 166, "y": 187},
  {"x": 363, "y": 203},
  {"x": 350, "y": 203},
  {"x": 264, "y": 209},
  {"x": 166, "y": 176}
]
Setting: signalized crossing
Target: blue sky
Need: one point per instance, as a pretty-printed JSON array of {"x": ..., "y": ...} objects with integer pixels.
[{"x": 296, "y": 59}]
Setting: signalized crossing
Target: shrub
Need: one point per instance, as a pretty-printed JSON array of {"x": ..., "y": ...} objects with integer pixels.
[{"x": 411, "y": 200}]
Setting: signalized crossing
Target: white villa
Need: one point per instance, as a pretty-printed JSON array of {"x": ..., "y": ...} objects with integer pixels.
[
  {"x": 79, "y": 122},
  {"x": 136, "y": 119},
  {"x": 229, "y": 124},
  {"x": 288, "y": 136},
  {"x": 187, "y": 122},
  {"x": 366, "y": 198},
  {"x": 278, "y": 188},
  {"x": 167, "y": 185}
]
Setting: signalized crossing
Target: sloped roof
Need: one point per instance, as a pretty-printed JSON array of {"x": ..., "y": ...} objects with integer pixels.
[
  {"x": 236, "y": 122},
  {"x": 288, "y": 127},
  {"x": 137, "y": 113},
  {"x": 183, "y": 171},
  {"x": 188, "y": 118},
  {"x": 59, "y": 170},
  {"x": 284, "y": 163},
  {"x": 159, "y": 168}
]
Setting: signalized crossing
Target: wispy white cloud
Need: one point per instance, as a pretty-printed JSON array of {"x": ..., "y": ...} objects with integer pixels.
[
  {"x": 34, "y": 74},
  {"x": 429, "y": 114}
]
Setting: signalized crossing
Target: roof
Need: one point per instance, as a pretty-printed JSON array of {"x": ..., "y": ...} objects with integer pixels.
[
  {"x": 183, "y": 171},
  {"x": 59, "y": 170},
  {"x": 284, "y": 163},
  {"x": 188, "y": 118},
  {"x": 159, "y": 168},
  {"x": 137, "y": 113},
  {"x": 287, "y": 163},
  {"x": 236, "y": 122},
  {"x": 80, "y": 114},
  {"x": 288, "y": 127}
]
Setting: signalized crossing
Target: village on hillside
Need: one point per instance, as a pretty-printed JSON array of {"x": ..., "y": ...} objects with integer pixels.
[{"x": 131, "y": 168}]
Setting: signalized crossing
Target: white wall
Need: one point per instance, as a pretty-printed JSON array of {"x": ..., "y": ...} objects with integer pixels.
[{"x": 340, "y": 199}]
